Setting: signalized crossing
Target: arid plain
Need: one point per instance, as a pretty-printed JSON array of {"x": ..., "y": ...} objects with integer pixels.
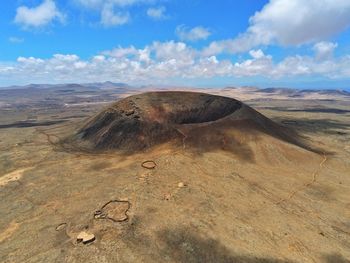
[{"x": 265, "y": 200}]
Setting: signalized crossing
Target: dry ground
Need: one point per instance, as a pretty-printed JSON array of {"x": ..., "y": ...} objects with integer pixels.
[{"x": 272, "y": 209}]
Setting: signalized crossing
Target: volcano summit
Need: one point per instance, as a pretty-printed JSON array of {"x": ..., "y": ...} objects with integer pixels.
[{"x": 195, "y": 120}]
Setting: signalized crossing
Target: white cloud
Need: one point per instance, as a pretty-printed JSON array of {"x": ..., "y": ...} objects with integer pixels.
[
  {"x": 39, "y": 16},
  {"x": 111, "y": 18},
  {"x": 90, "y": 3},
  {"x": 179, "y": 51},
  {"x": 162, "y": 61},
  {"x": 120, "y": 3},
  {"x": 256, "y": 53},
  {"x": 30, "y": 60},
  {"x": 324, "y": 50},
  {"x": 193, "y": 34},
  {"x": 120, "y": 52},
  {"x": 113, "y": 12},
  {"x": 141, "y": 55},
  {"x": 16, "y": 40},
  {"x": 157, "y": 13},
  {"x": 289, "y": 23}
]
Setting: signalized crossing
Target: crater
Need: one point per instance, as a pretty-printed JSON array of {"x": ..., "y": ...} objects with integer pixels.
[{"x": 187, "y": 108}]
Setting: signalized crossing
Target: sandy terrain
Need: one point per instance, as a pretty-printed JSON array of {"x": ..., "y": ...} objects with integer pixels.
[
  {"x": 269, "y": 201},
  {"x": 13, "y": 176}
]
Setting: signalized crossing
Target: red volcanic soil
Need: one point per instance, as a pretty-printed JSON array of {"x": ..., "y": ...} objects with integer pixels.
[{"x": 196, "y": 121}]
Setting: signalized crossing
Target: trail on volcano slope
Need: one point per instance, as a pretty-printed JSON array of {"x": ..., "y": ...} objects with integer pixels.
[{"x": 306, "y": 185}]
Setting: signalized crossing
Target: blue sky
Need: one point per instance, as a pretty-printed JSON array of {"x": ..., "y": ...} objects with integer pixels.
[{"x": 289, "y": 43}]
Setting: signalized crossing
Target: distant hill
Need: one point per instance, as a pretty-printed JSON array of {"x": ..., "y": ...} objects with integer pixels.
[
  {"x": 300, "y": 92},
  {"x": 99, "y": 85}
]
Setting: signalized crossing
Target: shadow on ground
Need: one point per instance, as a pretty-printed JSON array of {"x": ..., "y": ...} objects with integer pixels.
[
  {"x": 326, "y": 126},
  {"x": 335, "y": 258},
  {"x": 27, "y": 124},
  {"x": 184, "y": 245}
]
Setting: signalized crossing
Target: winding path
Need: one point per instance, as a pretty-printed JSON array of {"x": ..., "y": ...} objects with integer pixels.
[{"x": 314, "y": 178}]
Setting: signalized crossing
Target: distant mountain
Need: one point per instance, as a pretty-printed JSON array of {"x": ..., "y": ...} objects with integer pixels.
[
  {"x": 120, "y": 87},
  {"x": 107, "y": 85},
  {"x": 284, "y": 91},
  {"x": 300, "y": 92},
  {"x": 328, "y": 92},
  {"x": 29, "y": 86},
  {"x": 99, "y": 85}
]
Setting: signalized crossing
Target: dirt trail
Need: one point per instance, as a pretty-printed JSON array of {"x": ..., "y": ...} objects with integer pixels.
[
  {"x": 11, "y": 228},
  {"x": 306, "y": 185}
]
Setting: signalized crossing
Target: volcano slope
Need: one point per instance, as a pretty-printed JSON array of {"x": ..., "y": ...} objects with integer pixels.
[
  {"x": 198, "y": 121},
  {"x": 229, "y": 185}
]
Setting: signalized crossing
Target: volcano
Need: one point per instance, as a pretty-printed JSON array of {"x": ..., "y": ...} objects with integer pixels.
[{"x": 197, "y": 121}]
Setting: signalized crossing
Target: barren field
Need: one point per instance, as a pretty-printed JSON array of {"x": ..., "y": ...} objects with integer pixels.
[{"x": 263, "y": 201}]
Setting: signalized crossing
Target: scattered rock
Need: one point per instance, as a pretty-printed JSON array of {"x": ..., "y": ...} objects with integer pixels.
[
  {"x": 181, "y": 185},
  {"x": 129, "y": 112},
  {"x": 167, "y": 196},
  {"x": 144, "y": 175},
  {"x": 85, "y": 237},
  {"x": 99, "y": 215},
  {"x": 235, "y": 174}
]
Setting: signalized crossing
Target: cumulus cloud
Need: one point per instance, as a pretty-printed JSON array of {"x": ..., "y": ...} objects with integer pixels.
[
  {"x": 140, "y": 55},
  {"x": 192, "y": 34},
  {"x": 115, "y": 12},
  {"x": 161, "y": 61},
  {"x": 287, "y": 23},
  {"x": 256, "y": 53},
  {"x": 171, "y": 50},
  {"x": 157, "y": 13},
  {"x": 324, "y": 50},
  {"x": 39, "y": 16},
  {"x": 120, "y": 52},
  {"x": 111, "y": 18}
]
